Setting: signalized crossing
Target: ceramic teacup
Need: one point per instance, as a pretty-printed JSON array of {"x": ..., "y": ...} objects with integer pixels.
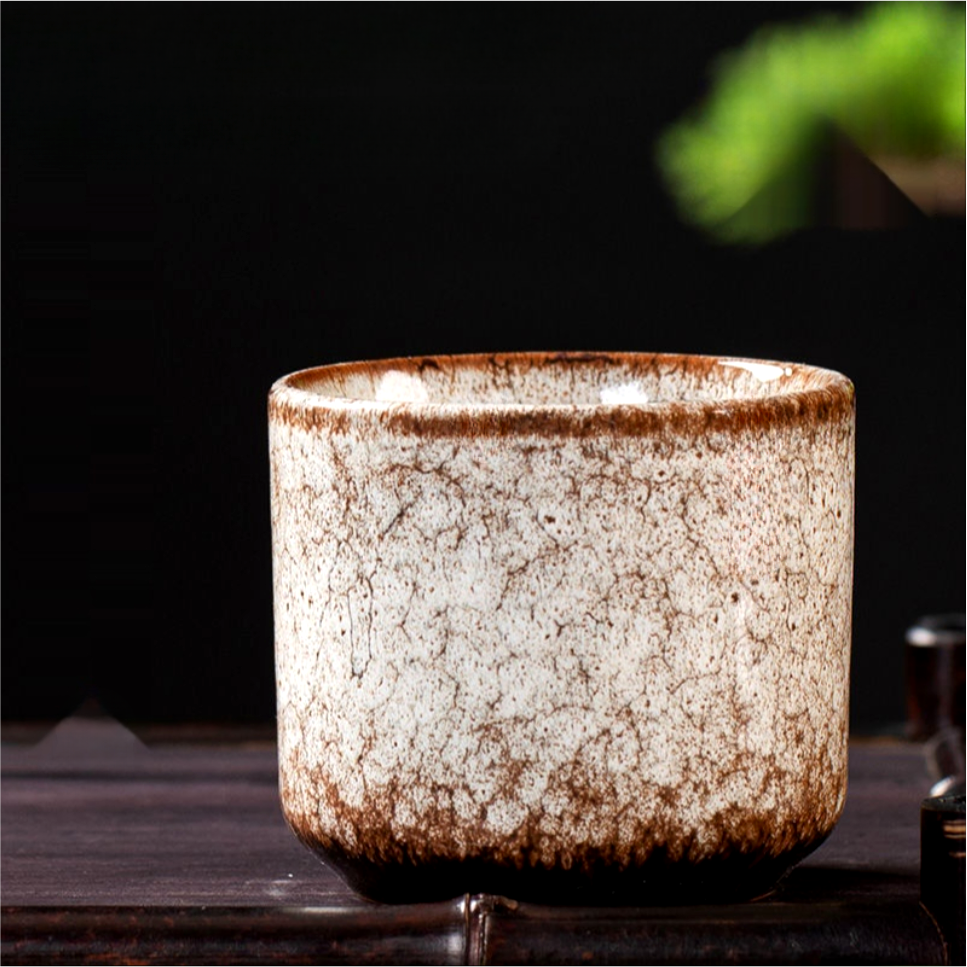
[{"x": 563, "y": 626}]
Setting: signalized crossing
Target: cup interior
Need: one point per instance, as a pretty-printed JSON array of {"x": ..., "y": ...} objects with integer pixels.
[{"x": 560, "y": 379}]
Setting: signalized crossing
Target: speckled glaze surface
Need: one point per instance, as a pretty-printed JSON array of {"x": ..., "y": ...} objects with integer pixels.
[{"x": 547, "y": 619}]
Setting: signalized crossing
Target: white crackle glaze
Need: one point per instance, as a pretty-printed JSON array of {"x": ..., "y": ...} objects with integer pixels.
[{"x": 562, "y": 610}]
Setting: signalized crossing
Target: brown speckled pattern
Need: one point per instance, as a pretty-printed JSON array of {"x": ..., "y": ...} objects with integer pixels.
[{"x": 518, "y": 624}]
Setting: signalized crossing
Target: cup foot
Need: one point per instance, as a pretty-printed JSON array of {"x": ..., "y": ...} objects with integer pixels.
[{"x": 657, "y": 882}]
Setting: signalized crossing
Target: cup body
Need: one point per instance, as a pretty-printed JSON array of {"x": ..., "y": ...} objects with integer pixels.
[{"x": 563, "y": 626}]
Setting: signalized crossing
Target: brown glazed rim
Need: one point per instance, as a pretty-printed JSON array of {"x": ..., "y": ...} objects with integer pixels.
[{"x": 825, "y": 396}]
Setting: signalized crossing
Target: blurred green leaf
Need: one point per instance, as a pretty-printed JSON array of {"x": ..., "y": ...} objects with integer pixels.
[{"x": 892, "y": 80}]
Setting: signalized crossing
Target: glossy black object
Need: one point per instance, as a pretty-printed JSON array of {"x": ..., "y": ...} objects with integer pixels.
[
  {"x": 935, "y": 675},
  {"x": 942, "y": 869}
]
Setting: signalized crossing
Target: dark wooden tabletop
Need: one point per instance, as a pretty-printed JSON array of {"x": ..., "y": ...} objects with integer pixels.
[{"x": 175, "y": 852}]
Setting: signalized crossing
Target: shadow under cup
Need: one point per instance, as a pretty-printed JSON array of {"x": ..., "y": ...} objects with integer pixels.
[{"x": 563, "y": 627}]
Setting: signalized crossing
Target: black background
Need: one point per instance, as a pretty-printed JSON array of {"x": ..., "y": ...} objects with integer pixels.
[{"x": 200, "y": 198}]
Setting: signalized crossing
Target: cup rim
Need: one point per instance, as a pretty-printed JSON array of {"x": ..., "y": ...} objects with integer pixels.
[{"x": 824, "y": 395}]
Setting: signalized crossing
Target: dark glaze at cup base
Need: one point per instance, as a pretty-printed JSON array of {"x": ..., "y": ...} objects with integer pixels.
[{"x": 732, "y": 878}]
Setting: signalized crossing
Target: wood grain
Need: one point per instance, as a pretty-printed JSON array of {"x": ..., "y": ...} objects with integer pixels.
[{"x": 118, "y": 852}]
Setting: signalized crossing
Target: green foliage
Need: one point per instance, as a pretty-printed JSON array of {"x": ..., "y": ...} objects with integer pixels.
[{"x": 892, "y": 80}]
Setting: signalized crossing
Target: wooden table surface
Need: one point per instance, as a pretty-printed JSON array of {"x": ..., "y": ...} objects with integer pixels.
[{"x": 114, "y": 851}]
